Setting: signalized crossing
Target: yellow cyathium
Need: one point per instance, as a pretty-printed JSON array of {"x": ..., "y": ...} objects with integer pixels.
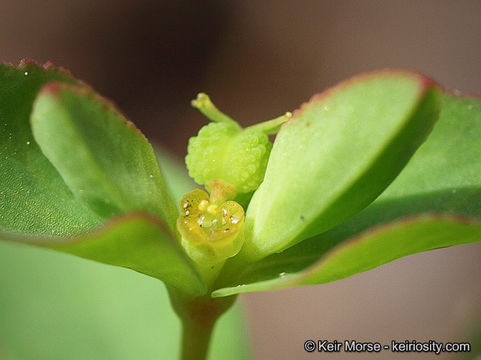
[{"x": 212, "y": 231}]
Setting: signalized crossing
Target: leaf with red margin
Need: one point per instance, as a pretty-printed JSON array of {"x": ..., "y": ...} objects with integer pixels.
[
  {"x": 371, "y": 249},
  {"x": 136, "y": 241},
  {"x": 37, "y": 206},
  {"x": 102, "y": 157},
  {"x": 443, "y": 177},
  {"x": 336, "y": 155},
  {"x": 33, "y": 196}
]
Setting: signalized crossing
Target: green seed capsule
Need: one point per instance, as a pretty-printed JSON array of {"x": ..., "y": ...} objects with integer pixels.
[
  {"x": 224, "y": 151},
  {"x": 210, "y": 232}
]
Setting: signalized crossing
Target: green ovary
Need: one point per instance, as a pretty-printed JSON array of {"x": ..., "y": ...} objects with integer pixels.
[
  {"x": 226, "y": 152},
  {"x": 211, "y": 232}
]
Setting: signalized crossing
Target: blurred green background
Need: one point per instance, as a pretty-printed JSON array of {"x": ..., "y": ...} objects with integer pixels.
[{"x": 60, "y": 307}]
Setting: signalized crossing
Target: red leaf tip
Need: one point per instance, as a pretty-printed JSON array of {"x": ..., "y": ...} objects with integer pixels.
[
  {"x": 424, "y": 81},
  {"x": 52, "y": 88}
]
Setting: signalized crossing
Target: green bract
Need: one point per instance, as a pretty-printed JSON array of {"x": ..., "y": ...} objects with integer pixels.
[
  {"x": 123, "y": 174},
  {"x": 379, "y": 167},
  {"x": 337, "y": 154}
]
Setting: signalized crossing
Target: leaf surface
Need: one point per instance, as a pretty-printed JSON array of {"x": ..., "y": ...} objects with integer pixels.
[
  {"x": 136, "y": 241},
  {"x": 105, "y": 161},
  {"x": 442, "y": 177},
  {"x": 367, "y": 251},
  {"x": 336, "y": 155},
  {"x": 33, "y": 196},
  {"x": 109, "y": 167}
]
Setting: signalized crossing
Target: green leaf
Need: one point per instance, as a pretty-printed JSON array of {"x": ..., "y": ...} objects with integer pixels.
[
  {"x": 136, "y": 241},
  {"x": 336, "y": 155},
  {"x": 371, "y": 249},
  {"x": 57, "y": 307},
  {"x": 38, "y": 208},
  {"x": 442, "y": 177},
  {"x": 447, "y": 167},
  {"x": 33, "y": 196},
  {"x": 105, "y": 161}
]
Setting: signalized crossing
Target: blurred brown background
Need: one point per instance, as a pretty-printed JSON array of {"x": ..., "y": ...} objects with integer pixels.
[{"x": 258, "y": 60}]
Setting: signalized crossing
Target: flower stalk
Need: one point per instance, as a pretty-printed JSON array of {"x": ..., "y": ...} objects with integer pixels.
[{"x": 198, "y": 318}]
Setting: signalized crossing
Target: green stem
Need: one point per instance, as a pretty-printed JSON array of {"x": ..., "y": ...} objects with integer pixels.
[
  {"x": 196, "y": 338},
  {"x": 198, "y": 317}
]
